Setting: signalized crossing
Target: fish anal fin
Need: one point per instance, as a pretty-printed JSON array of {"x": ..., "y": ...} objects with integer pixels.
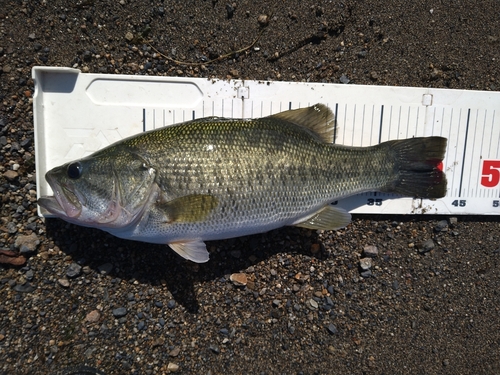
[
  {"x": 188, "y": 209},
  {"x": 195, "y": 250},
  {"x": 317, "y": 118},
  {"x": 328, "y": 218}
]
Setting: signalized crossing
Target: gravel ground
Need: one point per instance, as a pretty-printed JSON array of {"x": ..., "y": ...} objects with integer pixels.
[{"x": 386, "y": 295}]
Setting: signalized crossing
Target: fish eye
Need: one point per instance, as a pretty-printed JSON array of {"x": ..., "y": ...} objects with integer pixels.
[{"x": 75, "y": 170}]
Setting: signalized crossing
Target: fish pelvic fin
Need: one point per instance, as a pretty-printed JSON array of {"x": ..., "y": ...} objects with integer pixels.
[
  {"x": 318, "y": 118},
  {"x": 188, "y": 209},
  {"x": 195, "y": 251},
  {"x": 418, "y": 168},
  {"x": 328, "y": 218}
]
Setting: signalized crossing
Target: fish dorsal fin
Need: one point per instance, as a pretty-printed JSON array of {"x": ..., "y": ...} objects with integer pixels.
[
  {"x": 317, "y": 118},
  {"x": 328, "y": 218},
  {"x": 195, "y": 251},
  {"x": 188, "y": 209}
]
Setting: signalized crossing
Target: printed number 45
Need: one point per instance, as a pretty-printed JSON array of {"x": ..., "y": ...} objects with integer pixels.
[{"x": 490, "y": 173}]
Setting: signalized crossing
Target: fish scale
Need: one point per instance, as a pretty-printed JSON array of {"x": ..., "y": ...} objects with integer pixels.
[{"x": 216, "y": 178}]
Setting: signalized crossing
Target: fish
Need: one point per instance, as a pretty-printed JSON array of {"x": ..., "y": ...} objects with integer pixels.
[{"x": 216, "y": 178}]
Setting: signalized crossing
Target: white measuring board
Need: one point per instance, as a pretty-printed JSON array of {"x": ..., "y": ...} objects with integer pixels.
[{"x": 77, "y": 114}]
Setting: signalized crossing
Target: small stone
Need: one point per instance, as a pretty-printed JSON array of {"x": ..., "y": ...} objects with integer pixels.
[
  {"x": 233, "y": 73},
  {"x": 119, "y": 312},
  {"x": 31, "y": 36},
  {"x": 366, "y": 274},
  {"x": 175, "y": 352},
  {"x": 159, "y": 304},
  {"x": 172, "y": 367},
  {"x": 215, "y": 349},
  {"x": 239, "y": 279},
  {"x": 6, "y": 69},
  {"x": 263, "y": 20},
  {"x": 93, "y": 316},
  {"x": 24, "y": 288},
  {"x": 332, "y": 330},
  {"x": 426, "y": 246},
  {"x": 344, "y": 79},
  {"x": 105, "y": 268},
  {"x": 171, "y": 304},
  {"x": 453, "y": 221},
  {"x": 313, "y": 304},
  {"x": 27, "y": 244},
  {"x": 230, "y": 8},
  {"x": 63, "y": 282},
  {"x": 129, "y": 36},
  {"x": 365, "y": 264},
  {"x": 11, "y": 175},
  {"x": 11, "y": 257},
  {"x": 374, "y": 76},
  {"x": 141, "y": 325},
  {"x": 370, "y": 251},
  {"x": 442, "y": 226},
  {"x": 74, "y": 270}
]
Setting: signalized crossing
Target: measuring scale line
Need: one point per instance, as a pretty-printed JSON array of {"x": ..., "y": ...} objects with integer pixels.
[
  {"x": 381, "y": 122},
  {"x": 464, "y": 154}
]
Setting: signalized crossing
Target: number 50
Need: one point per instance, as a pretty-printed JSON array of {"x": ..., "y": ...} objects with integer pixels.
[{"x": 490, "y": 173}]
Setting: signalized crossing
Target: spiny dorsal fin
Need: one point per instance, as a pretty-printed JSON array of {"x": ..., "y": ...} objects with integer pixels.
[
  {"x": 188, "y": 209},
  {"x": 317, "y": 118},
  {"x": 328, "y": 218}
]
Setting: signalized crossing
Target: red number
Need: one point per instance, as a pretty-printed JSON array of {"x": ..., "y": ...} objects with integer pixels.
[{"x": 490, "y": 173}]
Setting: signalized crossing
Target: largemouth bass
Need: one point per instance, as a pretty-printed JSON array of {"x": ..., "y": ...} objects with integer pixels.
[{"x": 216, "y": 178}]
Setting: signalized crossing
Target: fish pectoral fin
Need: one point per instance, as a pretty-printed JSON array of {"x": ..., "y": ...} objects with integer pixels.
[
  {"x": 188, "y": 209},
  {"x": 317, "y": 118},
  {"x": 328, "y": 218},
  {"x": 195, "y": 251}
]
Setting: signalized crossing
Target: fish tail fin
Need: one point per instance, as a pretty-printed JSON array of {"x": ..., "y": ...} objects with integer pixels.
[{"x": 418, "y": 167}]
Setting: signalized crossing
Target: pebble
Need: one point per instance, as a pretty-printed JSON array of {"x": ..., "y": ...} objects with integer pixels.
[
  {"x": 365, "y": 264},
  {"x": 171, "y": 304},
  {"x": 27, "y": 243},
  {"x": 105, "y": 268},
  {"x": 24, "y": 288},
  {"x": 93, "y": 316},
  {"x": 239, "y": 279},
  {"x": 426, "y": 246},
  {"x": 313, "y": 304},
  {"x": 344, "y": 79},
  {"x": 442, "y": 226},
  {"x": 215, "y": 349},
  {"x": 172, "y": 367},
  {"x": 74, "y": 270},
  {"x": 332, "y": 329},
  {"x": 63, "y": 282},
  {"x": 370, "y": 251},
  {"x": 119, "y": 312},
  {"x": 175, "y": 352},
  {"x": 263, "y": 20},
  {"x": 11, "y": 175},
  {"x": 129, "y": 36}
]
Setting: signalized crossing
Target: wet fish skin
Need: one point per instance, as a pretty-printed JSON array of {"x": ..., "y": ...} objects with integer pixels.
[{"x": 217, "y": 178}]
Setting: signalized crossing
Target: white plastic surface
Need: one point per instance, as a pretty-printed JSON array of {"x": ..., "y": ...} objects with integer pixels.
[{"x": 77, "y": 114}]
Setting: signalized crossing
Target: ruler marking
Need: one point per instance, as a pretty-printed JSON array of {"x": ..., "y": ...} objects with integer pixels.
[
  {"x": 335, "y": 123},
  {"x": 144, "y": 119},
  {"x": 363, "y": 124},
  {"x": 371, "y": 125},
  {"x": 465, "y": 151},
  {"x": 381, "y": 123}
]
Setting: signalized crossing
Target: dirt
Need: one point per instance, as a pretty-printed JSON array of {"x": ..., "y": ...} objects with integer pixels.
[{"x": 305, "y": 308}]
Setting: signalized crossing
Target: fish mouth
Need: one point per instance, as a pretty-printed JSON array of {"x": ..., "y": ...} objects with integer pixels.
[{"x": 64, "y": 203}]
